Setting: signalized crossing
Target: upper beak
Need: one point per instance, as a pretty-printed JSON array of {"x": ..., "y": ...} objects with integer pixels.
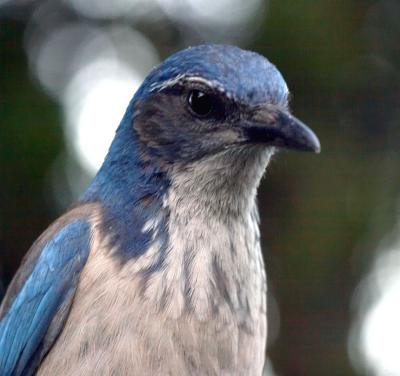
[{"x": 275, "y": 127}]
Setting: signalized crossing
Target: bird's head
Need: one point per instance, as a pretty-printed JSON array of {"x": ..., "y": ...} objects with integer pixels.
[
  {"x": 211, "y": 98},
  {"x": 205, "y": 123}
]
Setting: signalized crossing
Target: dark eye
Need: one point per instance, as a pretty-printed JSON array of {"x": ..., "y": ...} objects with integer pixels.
[{"x": 201, "y": 103}]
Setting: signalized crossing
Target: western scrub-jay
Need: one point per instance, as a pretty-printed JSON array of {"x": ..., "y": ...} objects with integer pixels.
[{"x": 157, "y": 269}]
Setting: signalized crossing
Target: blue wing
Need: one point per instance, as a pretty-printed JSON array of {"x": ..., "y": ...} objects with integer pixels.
[{"x": 34, "y": 318}]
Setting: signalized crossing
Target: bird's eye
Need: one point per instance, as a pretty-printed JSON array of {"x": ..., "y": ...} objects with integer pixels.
[{"x": 201, "y": 103}]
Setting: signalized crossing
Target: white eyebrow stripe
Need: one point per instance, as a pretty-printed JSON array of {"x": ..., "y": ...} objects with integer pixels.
[
  {"x": 181, "y": 78},
  {"x": 158, "y": 86}
]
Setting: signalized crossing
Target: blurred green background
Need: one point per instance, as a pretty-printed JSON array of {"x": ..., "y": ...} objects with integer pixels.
[{"x": 326, "y": 219}]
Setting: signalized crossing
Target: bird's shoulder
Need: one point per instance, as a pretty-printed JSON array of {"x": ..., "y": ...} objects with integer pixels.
[{"x": 38, "y": 299}]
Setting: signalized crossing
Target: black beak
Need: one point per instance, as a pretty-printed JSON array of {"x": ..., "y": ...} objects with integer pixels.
[{"x": 275, "y": 127}]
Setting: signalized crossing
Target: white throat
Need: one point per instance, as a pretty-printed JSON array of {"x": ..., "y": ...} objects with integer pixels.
[
  {"x": 214, "y": 254},
  {"x": 224, "y": 185}
]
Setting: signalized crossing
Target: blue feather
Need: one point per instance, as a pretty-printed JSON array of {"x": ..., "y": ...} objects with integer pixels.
[
  {"x": 245, "y": 75},
  {"x": 56, "y": 272},
  {"x": 121, "y": 185}
]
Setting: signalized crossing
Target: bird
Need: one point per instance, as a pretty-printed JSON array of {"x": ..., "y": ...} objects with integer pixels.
[{"x": 157, "y": 268}]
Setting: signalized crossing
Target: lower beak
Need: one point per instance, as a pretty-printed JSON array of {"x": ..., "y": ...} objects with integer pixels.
[{"x": 278, "y": 128}]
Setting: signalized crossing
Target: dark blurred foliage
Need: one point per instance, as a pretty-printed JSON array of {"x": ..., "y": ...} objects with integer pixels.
[{"x": 322, "y": 215}]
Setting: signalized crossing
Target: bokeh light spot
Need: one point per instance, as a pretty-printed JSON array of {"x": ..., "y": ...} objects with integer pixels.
[{"x": 95, "y": 102}]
